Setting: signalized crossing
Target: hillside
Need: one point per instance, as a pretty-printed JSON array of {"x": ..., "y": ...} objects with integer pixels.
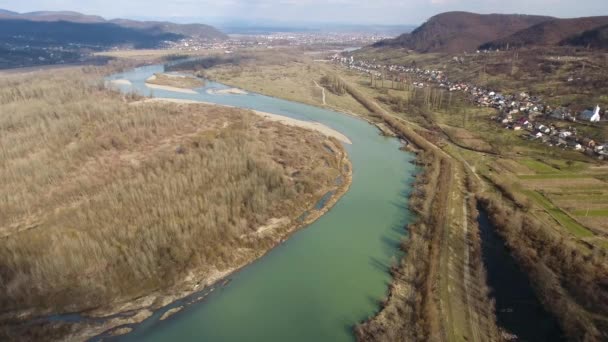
[
  {"x": 596, "y": 38},
  {"x": 6, "y": 12},
  {"x": 63, "y": 33},
  {"x": 199, "y": 31},
  {"x": 461, "y": 31},
  {"x": 547, "y": 33}
]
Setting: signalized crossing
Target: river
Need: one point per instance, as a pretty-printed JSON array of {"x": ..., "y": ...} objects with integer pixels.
[{"x": 325, "y": 278}]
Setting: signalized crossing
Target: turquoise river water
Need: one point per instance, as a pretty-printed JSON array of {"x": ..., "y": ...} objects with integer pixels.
[{"x": 325, "y": 278}]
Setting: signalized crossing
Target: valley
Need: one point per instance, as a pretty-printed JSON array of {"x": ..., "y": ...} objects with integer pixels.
[{"x": 304, "y": 181}]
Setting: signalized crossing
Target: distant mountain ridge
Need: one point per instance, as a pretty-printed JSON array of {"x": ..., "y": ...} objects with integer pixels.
[
  {"x": 550, "y": 33},
  {"x": 456, "y": 32},
  {"x": 200, "y": 31},
  {"x": 47, "y": 34},
  {"x": 461, "y": 31}
]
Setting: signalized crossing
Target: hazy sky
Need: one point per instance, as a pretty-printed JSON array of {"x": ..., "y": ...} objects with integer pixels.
[{"x": 338, "y": 11}]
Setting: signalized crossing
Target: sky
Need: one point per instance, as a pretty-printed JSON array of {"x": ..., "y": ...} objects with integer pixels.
[{"x": 402, "y": 12}]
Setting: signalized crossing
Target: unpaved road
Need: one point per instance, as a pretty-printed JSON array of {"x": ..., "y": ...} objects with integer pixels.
[{"x": 323, "y": 92}]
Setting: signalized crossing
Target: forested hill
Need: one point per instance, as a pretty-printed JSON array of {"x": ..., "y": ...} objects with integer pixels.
[
  {"x": 554, "y": 32},
  {"x": 64, "y": 33},
  {"x": 149, "y": 28},
  {"x": 461, "y": 31},
  {"x": 595, "y": 38}
]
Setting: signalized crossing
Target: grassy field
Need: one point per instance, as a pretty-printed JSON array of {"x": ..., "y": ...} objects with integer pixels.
[
  {"x": 104, "y": 201},
  {"x": 293, "y": 81},
  {"x": 564, "y": 220},
  {"x": 177, "y": 81},
  {"x": 596, "y": 213},
  {"x": 153, "y": 55}
]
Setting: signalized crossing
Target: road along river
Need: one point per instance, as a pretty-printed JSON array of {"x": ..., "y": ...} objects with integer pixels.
[{"x": 325, "y": 278}]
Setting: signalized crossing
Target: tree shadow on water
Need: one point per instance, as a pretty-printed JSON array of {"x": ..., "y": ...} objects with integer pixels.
[{"x": 379, "y": 265}]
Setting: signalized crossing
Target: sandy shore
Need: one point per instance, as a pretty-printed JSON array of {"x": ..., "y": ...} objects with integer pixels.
[
  {"x": 232, "y": 91},
  {"x": 330, "y": 132},
  {"x": 168, "y": 88},
  {"x": 121, "y": 82}
]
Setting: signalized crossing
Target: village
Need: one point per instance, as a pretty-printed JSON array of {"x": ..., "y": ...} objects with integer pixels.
[
  {"x": 277, "y": 39},
  {"x": 519, "y": 112}
]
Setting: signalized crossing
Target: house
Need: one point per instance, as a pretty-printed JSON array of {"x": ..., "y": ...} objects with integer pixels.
[
  {"x": 591, "y": 115},
  {"x": 575, "y": 145},
  {"x": 522, "y": 121},
  {"x": 587, "y": 142},
  {"x": 543, "y": 128},
  {"x": 558, "y": 114}
]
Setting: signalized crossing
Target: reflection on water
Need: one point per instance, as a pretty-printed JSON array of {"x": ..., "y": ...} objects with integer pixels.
[{"x": 518, "y": 310}]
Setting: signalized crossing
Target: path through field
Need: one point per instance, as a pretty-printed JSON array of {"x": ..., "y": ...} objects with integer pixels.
[{"x": 323, "y": 92}]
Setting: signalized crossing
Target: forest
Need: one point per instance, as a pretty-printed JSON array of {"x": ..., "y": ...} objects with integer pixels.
[{"x": 106, "y": 198}]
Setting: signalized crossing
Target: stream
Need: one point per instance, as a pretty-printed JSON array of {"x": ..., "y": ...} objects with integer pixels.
[{"x": 518, "y": 310}]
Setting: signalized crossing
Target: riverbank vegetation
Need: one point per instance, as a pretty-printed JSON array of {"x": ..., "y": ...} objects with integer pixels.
[
  {"x": 103, "y": 201},
  {"x": 569, "y": 278},
  {"x": 409, "y": 312}
]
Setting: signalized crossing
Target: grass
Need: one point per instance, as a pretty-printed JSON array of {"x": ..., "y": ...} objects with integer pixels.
[
  {"x": 564, "y": 220},
  {"x": 293, "y": 81},
  {"x": 554, "y": 176},
  {"x": 177, "y": 81},
  {"x": 104, "y": 201},
  {"x": 538, "y": 166},
  {"x": 592, "y": 213}
]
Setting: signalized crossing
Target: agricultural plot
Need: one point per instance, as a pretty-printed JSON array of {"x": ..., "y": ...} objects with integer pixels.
[
  {"x": 559, "y": 215},
  {"x": 573, "y": 193}
]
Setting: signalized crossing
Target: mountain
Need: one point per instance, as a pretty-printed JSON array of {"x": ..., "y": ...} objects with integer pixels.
[
  {"x": 42, "y": 34},
  {"x": 461, "y": 31},
  {"x": 596, "y": 38},
  {"x": 199, "y": 31},
  {"x": 62, "y": 16},
  {"x": 549, "y": 33},
  {"x": 6, "y": 12}
]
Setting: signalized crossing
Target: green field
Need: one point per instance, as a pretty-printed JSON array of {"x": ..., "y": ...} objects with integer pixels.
[
  {"x": 538, "y": 166},
  {"x": 560, "y": 216},
  {"x": 592, "y": 213},
  {"x": 554, "y": 176}
]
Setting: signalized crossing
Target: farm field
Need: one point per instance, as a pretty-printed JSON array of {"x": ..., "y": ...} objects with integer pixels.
[{"x": 574, "y": 195}]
